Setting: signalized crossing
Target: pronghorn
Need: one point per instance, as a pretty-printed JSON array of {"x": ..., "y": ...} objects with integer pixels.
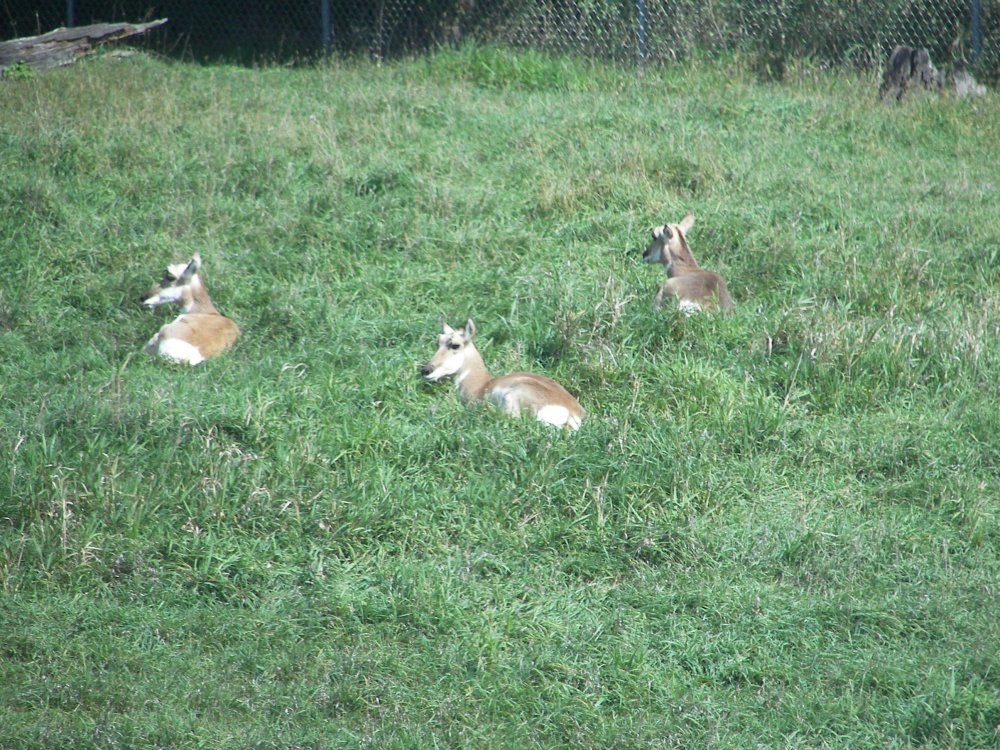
[
  {"x": 695, "y": 288},
  {"x": 543, "y": 397},
  {"x": 200, "y": 331}
]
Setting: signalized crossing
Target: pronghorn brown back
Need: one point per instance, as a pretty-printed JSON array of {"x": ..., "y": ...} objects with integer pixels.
[
  {"x": 694, "y": 288},
  {"x": 200, "y": 332},
  {"x": 458, "y": 357}
]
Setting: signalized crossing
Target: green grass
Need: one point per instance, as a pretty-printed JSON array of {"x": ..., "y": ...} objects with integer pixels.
[{"x": 774, "y": 529}]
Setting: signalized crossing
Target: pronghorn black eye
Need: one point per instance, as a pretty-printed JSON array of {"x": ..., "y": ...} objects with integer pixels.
[{"x": 454, "y": 346}]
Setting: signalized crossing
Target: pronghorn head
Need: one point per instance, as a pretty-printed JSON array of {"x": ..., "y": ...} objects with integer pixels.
[
  {"x": 454, "y": 346},
  {"x": 178, "y": 286},
  {"x": 670, "y": 245}
]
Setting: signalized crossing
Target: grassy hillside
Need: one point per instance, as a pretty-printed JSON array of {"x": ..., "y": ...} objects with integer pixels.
[{"x": 774, "y": 529}]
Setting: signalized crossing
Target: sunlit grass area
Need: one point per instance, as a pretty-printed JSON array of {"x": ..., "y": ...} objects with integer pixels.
[{"x": 777, "y": 528}]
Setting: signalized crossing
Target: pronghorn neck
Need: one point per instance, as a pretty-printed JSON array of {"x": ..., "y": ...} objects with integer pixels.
[
  {"x": 682, "y": 262},
  {"x": 681, "y": 267},
  {"x": 196, "y": 299},
  {"x": 473, "y": 378}
]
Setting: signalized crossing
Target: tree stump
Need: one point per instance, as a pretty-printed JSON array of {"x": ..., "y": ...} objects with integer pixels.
[{"x": 909, "y": 68}]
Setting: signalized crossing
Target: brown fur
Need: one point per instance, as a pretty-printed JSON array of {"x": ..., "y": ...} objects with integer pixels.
[
  {"x": 458, "y": 357},
  {"x": 200, "y": 324},
  {"x": 686, "y": 280},
  {"x": 209, "y": 333}
]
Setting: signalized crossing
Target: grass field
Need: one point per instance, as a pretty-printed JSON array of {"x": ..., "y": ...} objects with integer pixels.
[{"x": 776, "y": 529}]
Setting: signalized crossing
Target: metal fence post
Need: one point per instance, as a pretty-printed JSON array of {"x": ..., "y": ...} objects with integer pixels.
[
  {"x": 325, "y": 13},
  {"x": 977, "y": 32},
  {"x": 70, "y": 13},
  {"x": 641, "y": 8}
]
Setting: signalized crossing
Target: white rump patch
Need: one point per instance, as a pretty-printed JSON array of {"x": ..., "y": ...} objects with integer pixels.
[
  {"x": 178, "y": 350},
  {"x": 555, "y": 414},
  {"x": 689, "y": 307}
]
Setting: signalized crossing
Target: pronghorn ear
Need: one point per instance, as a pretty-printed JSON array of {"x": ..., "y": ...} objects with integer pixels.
[
  {"x": 657, "y": 232},
  {"x": 470, "y": 329},
  {"x": 192, "y": 268},
  {"x": 686, "y": 223},
  {"x": 445, "y": 328}
]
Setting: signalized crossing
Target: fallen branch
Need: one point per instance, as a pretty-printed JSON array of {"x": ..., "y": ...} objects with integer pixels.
[{"x": 66, "y": 46}]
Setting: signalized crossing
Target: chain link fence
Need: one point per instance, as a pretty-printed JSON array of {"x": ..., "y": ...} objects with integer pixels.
[{"x": 768, "y": 32}]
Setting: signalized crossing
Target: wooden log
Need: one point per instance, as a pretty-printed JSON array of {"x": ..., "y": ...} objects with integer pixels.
[{"x": 66, "y": 46}]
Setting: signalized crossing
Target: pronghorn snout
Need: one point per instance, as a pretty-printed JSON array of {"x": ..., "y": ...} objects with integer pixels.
[
  {"x": 426, "y": 370},
  {"x": 654, "y": 252},
  {"x": 146, "y": 299}
]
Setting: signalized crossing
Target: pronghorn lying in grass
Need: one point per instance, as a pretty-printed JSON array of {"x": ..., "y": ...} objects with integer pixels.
[
  {"x": 695, "y": 288},
  {"x": 515, "y": 392},
  {"x": 200, "y": 331}
]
